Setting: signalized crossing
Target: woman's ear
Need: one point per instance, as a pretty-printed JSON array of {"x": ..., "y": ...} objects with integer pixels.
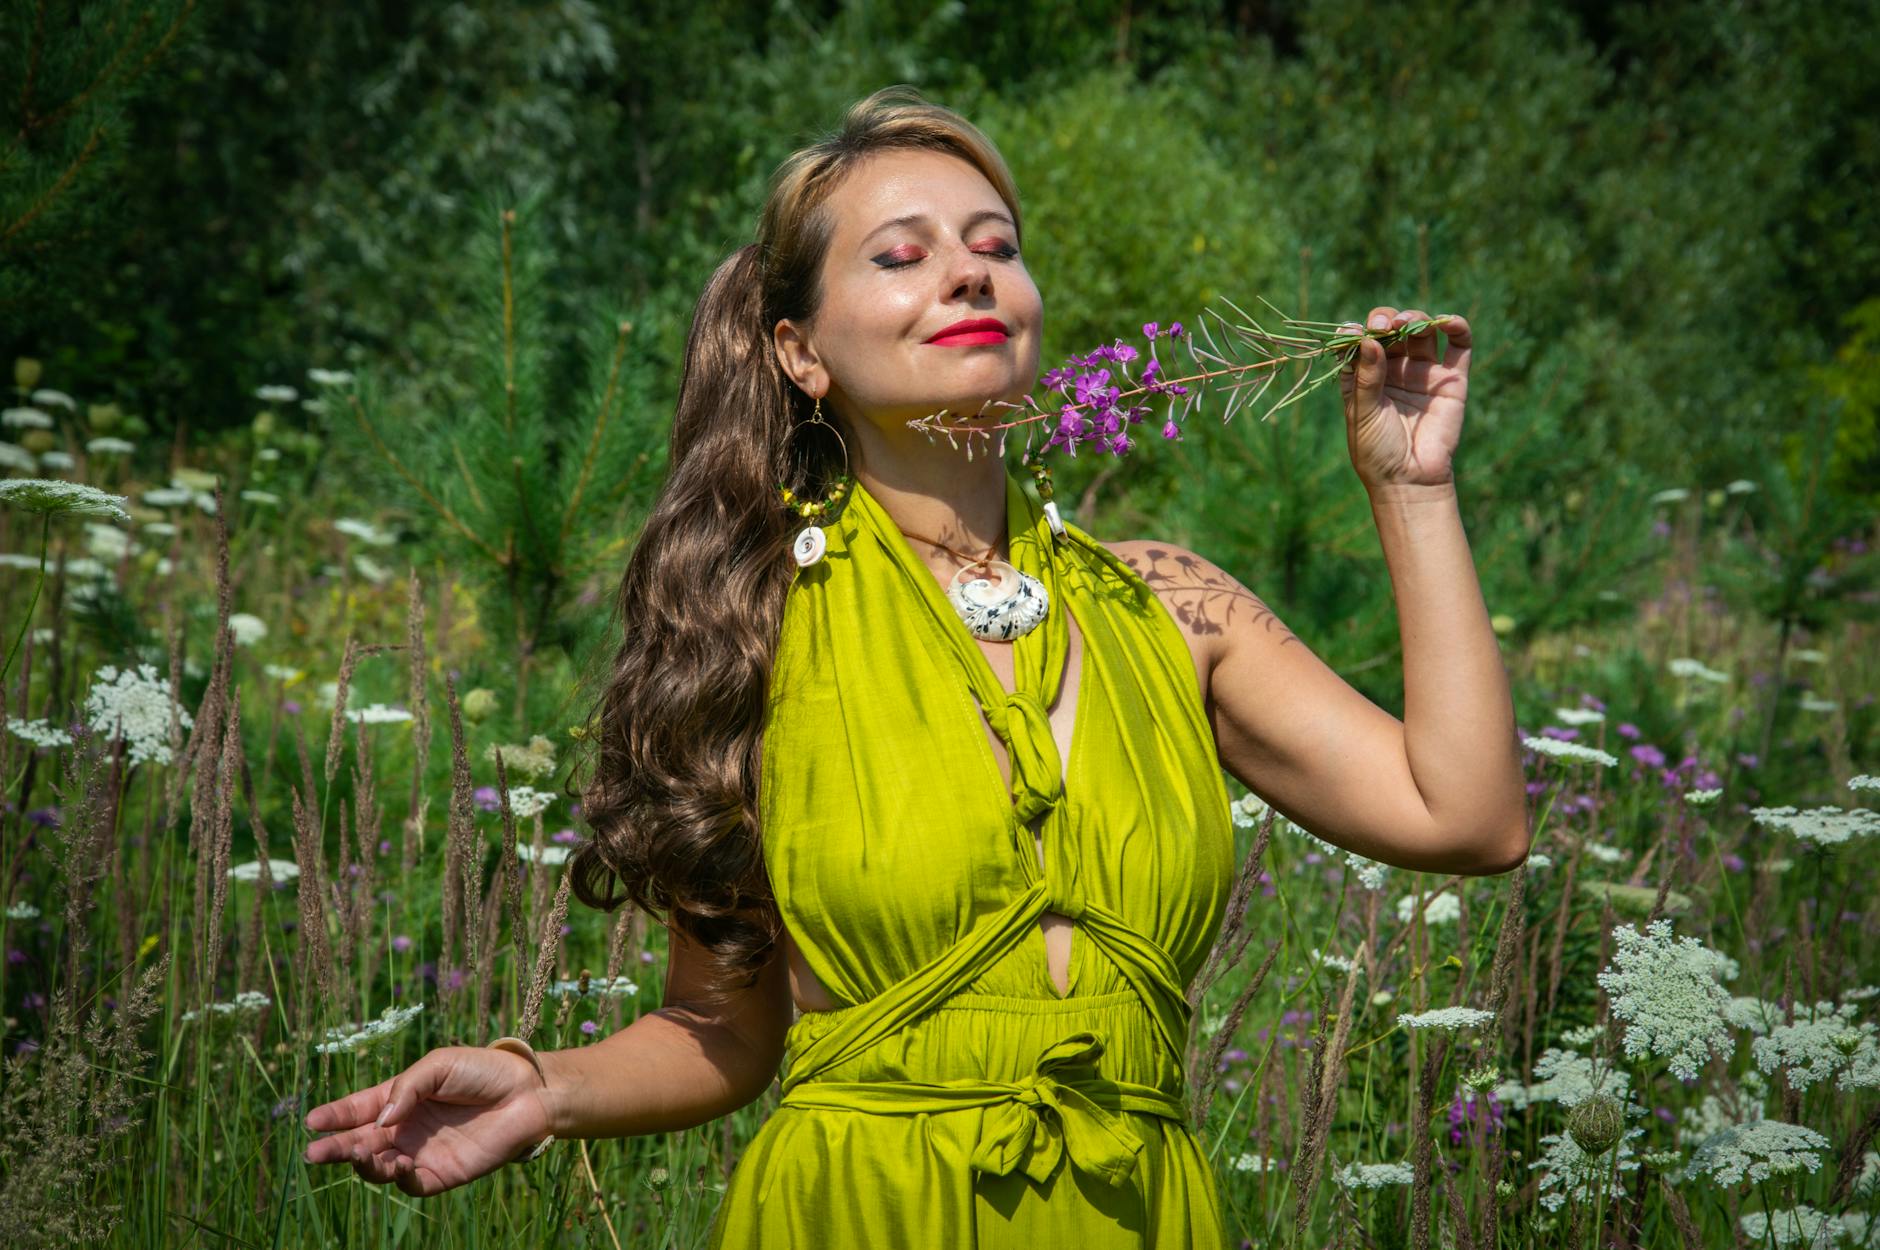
[{"x": 798, "y": 358}]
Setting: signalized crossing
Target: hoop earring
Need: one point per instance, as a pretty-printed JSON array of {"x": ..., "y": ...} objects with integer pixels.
[{"x": 811, "y": 542}]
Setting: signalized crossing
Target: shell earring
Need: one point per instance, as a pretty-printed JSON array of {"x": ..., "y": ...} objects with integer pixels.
[{"x": 811, "y": 542}]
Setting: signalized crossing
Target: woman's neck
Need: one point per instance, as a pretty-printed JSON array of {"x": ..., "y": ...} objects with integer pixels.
[{"x": 933, "y": 490}]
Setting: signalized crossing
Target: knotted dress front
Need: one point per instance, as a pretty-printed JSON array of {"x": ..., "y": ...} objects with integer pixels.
[{"x": 956, "y": 1098}]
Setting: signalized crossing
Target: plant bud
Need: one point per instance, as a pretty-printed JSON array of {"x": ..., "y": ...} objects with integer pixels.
[
  {"x": 1504, "y": 1190},
  {"x": 1482, "y": 1078},
  {"x": 39, "y": 441},
  {"x": 1596, "y": 1124},
  {"x": 1847, "y": 1041},
  {"x": 104, "y": 417},
  {"x": 264, "y": 423},
  {"x": 135, "y": 427},
  {"x": 658, "y": 1178},
  {"x": 478, "y": 704},
  {"x": 26, "y": 372}
]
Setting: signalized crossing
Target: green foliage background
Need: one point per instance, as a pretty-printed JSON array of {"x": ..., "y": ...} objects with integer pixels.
[{"x": 1657, "y": 217}]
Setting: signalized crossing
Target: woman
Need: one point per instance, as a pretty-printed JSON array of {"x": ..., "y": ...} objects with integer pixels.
[{"x": 986, "y": 921}]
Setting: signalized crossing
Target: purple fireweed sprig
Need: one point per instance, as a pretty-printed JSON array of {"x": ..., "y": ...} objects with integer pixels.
[{"x": 1104, "y": 399}]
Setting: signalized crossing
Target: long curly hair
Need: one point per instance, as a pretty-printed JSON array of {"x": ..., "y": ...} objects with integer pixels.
[{"x": 676, "y": 733}]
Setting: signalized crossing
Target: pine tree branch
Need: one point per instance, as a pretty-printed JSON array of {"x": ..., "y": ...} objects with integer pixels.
[
  {"x": 600, "y": 427},
  {"x": 442, "y": 508}
]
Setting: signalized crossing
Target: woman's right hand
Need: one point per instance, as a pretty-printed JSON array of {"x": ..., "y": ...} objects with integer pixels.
[{"x": 458, "y": 1113}]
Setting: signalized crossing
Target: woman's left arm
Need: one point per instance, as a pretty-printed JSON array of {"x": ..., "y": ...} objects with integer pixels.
[{"x": 1441, "y": 790}]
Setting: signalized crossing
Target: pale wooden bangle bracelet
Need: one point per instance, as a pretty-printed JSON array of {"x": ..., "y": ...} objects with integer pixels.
[{"x": 516, "y": 1046}]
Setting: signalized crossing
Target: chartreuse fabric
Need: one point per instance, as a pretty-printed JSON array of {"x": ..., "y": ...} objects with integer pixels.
[{"x": 955, "y": 1098}]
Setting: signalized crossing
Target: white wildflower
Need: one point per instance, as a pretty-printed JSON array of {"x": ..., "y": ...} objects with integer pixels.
[
  {"x": 1741, "y": 486},
  {"x": 1578, "y": 716},
  {"x": 38, "y": 494},
  {"x": 598, "y": 987},
  {"x": 1374, "y": 1175},
  {"x": 535, "y": 760},
  {"x": 136, "y": 707},
  {"x": 327, "y": 694},
  {"x": 247, "y": 1000},
  {"x": 1814, "y": 1046},
  {"x": 41, "y": 732},
  {"x": 1702, "y": 798},
  {"x": 1752, "y": 1013},
  {"x": 1800, "y": 1226},
  {"x": 284, "y": 672},
  {"x": 58, "y": 399},
  {"x": 554, "y": 854},
  {"x": 56, "y": 459},
  {"x": 107, "y": 542},
  {"x": 1809, "y": 703},
  {"x": 1676, "y": 494},
  {"x": 167, "y": 497},
  {"x": 371, "y": 570},
  {"x": 1808, "y": 655},
  {"x": 1864, "y": 781},
  {"x": 278, "y": 870},
  {"x": 1860, "y": 993},
  {"x": 1712, "y": 1115},
  {"x": 349, "y": 1037},
  {"x": 14, "y": 456},
  {"x": 1825, "y": 826},
  {"x": 1585, "y": 1035},
  {"x": 364, "y": 531},
  {"x": 1570, "y": 1173},
  {"x": 22, "y": 910},
  {"x": 247, "y": 628},
  {"x": 1668, "y": 994},
  {"x": 1441, "y": 908},
  {"x": 162, "y": 529},
  {"x": 1537, "y": 859},
  {"x": 1685, "y": 666},
  {"x": 329, "y": 377},
  {"x": 277, "y": 394},
  {"x": 1570, "y": 1078},
  {"x": 268, "y": 453},
  {"x": 26, "y": 419},
  {"x": 376, "y": 714},
  {"x": 526, "y": 801},
  {"x": 1244, "y": 1162},
  {"x": 1572, "y": 752},
  {"x": 1756, "y": 1150},
  {"x": 1447, "y": 1018},
  {"x": 1381, "y": 997},
  {"x": 1339, "y": 962},
  {"x": 1603, "y": 853},
  {"x": 268, "y": 498},
  {"x": 105, "y": 445}
]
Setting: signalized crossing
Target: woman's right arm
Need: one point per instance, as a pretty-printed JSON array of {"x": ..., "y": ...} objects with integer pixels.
[{"x": 687, "y": 1063}]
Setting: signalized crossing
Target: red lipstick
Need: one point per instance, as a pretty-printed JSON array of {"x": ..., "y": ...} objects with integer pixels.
[{"x": 973, "y": 332}]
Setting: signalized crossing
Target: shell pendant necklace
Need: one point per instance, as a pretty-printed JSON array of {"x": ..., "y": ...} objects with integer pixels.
[{"x": 1004, "y": 604}]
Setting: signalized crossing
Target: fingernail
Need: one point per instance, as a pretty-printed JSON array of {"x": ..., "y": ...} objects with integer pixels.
[
  {"x": 383, "y": 1112},
  {"x": 1379, "y": 321}
]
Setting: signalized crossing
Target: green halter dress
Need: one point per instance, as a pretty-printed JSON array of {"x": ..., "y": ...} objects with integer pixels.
[{"x": 955, "y": 1098}]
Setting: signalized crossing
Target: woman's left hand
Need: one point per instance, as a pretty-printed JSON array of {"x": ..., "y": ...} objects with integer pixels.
[{"x": 1403, "y": 405}]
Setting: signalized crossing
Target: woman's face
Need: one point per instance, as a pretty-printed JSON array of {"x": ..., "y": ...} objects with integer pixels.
[{"x": 922, "y": 241}]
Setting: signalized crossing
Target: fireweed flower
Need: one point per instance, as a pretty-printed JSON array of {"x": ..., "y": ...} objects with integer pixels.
[
  {"x": 1668, "y": 994},
  {"x": 1824, "y": 826},
  {"x": 1754, "y": 1151},
  {"x": 136, "y": 707}
]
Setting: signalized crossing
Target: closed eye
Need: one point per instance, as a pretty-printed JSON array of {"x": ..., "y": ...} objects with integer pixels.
[{"x": 1004, "y": 253}]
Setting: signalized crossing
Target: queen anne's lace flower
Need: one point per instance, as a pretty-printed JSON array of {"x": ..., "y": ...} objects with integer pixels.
[
  {"x": 1687, "y": 667},
  {"x": 1752, "y": 1013},
  {"x": 1374, "y": 1175},
  {"x": 1712, "y": 1115},
  {"x": 377, "y": 714},
  {"x": 136, "y": 707},
  {"x": 278, "y": 870},
  {"x": 1828, "y": 826},
  {"x": 1254, "y": 1163},
  {"x": 34, "y": 494},
  {"x": 1450, "y": 1018},
  {"x": 1444, "y": 908},
  {"x": 1668, "y": 994},
  {"x": 1801, "y": 1226},
  {"x": 1568, "y": 1172},
  {"x": 1702, "y": 798},
  {"x": 247, "y": 1000},
  {"x": 1822, "y": 1039},
  {"x": 364, "y": 531},
  {"x": 1864, "y": 781},
  {"x": 550, "y": 854},
  {"x": 1572, "y": 752},
  {"x": 347, "y": 1037},
  {"x": 598, "y": 987},
  {"x": 22, "y": 910},
  {"x": 1756, "y": 1150},
  {"x": 526, "y": 801},
  {"x": 1578, "y": 715},
  {"x": 41, "y": 732}
]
